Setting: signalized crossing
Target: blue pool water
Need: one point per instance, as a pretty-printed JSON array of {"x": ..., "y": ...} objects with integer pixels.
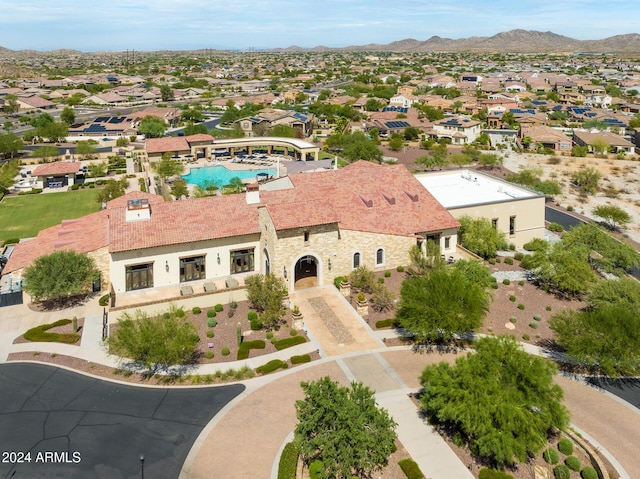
[{"x": 220, "y": 176}]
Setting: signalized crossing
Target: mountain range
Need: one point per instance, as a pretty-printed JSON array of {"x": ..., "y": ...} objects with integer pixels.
[{"x": 513, "y": 41}]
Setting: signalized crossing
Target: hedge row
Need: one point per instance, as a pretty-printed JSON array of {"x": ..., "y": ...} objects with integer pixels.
[
  {"x": 40, "y": 334},
  {"x": 411, "y": 469},
  {"x": 288, "y": 342},
  {"x": 493, "y": 474},
  {"x": 243, "y": 350},
  {"x": 386, "y": 323},
  {"x": 271, "y": 366},
  {"x": 303, "y": 358},
  {"x": 288, "y": 462}
]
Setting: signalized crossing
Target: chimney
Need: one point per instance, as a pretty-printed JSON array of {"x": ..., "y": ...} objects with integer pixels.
[{"x": 253, "y": 194}]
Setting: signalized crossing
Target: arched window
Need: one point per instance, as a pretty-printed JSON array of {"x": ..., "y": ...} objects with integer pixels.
[
  {"x": 379, "y": 257},
  {"x": 356, "y": 260}
]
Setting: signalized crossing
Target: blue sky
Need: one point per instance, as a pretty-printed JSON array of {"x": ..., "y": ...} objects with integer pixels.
[{"x": 117, "y": 25}]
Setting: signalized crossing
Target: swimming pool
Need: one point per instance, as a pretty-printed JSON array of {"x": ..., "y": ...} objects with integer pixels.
[{"x": 220, "y": 176}]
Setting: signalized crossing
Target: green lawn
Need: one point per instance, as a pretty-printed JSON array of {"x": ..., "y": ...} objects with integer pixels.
[{"x": 24, "y": 216}]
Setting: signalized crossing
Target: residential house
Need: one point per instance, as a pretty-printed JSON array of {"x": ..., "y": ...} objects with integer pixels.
[
  {"x": 546, "y": 137},
  {"x": 596, "y": 139},
  {"x": 460, "y": 130}
]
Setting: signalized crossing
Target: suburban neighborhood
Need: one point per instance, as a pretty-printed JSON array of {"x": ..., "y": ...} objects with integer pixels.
[{"x": 390, "y": 261}]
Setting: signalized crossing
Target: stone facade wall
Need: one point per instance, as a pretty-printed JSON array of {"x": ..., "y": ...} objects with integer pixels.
[{"x": 103, "y": 263}]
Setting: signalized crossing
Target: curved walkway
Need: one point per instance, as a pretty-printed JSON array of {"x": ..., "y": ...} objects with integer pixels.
[{"x": 244, "y": 439}]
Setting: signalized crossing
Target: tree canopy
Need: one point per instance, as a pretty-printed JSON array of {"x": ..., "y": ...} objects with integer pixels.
[
  {"x": 57, "y": 276},
  {"x": 354, "y": 146},
  {"x": 344, "y": 428},
  {"x": 480, "y": 236},
  {"x": 8, "y": 172},
  {"x": 167, "y": 339},
  {"x": 501, "y": 401},
  {"x": 614, "y": 216},
  {"x": 10, "y": 144},
  {"x": 167, "y": 167},
  {"x": 441, "y": 304},
  {"x": 152, "y": 127},
  {"x": 266, "y": 293},
  {"x": 112, "y": 189}
]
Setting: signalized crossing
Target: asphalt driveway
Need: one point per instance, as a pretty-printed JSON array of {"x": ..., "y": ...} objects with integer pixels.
[{"x": 76, "y": 426}]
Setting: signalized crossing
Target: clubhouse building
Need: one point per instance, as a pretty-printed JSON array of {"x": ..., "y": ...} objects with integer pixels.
[{"x": 307, "y": 228}]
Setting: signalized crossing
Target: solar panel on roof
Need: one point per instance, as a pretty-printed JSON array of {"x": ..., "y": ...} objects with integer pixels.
[{"x": 101, "y": 119}]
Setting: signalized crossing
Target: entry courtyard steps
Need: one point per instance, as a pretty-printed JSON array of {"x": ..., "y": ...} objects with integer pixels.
[{"x": 334, "y": 323}]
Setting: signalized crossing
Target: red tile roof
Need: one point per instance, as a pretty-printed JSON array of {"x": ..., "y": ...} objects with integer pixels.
[
  {"x": 186, "y": 221},
  {"x": 344, "y": 194},
  {"x": 81, "y": 235},
  {"x": 57, "y": 168},
  {"x": 169, "y": 144}
]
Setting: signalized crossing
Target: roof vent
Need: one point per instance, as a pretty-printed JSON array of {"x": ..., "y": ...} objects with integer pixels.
[
  {"x": 412, "y": 196},
  {"x": 368, "y": 202},
  {"x": 390, "y": 198}
]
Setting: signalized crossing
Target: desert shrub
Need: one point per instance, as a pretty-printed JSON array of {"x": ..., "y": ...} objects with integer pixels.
[
  {"x": 211, "y": 313},
  {"x": 271, "y": 366},
  {"x": 521, "y": 306},
  {"x": 256, "y": 324},
  {"x": 288, "y": 462},
  {"x": 555, "y": 227},
  {"x": 411, "y": 469},
  {"x": 225, "y": 351},
  {"x": 337, "y": 280},
  {"x": 492, "y": 261},
  {"x": 208, "y": 355},
  {"x": 382, "y": 298},
  {"x": 497, "y": 260},
  {"x": 521, "y": 282},
  {"x": 589, "y": 473},
  {"x": 547, "y": 307},
  {"x": 512, "y": 247},
  {"x": 513, "y": 319},
  {"x": 288, "y": 342},
  {"x": 569, "y": 208},
  {"x": 246, "y": 346},
  {"x": 400, "y": 269},
  {"x": 166, "y": 315},
  {"x": 550, "y": 456},
  {"x": 561, "y": 472},
  {"x": 380, "y": 280},
  {"x": 512, "y": 298},
  {"x": 362, "y": 279},
  {"x": 39, "y": 334},
  {"x": 196, "y": 310},
  {"x": 218, "y": 308},
  {"x": 573, "y": 463},
  {"x": 210, "y": 333},
  {"x": 303, "y": 358},
  {"x": 385, "y": 323},
  {"x": 533, "y": 325},
  {"x": 387, "y": 274},
  {"x": 212, "y": 322},
  {"x": 104, "y": 300},
  {"x": 508, "y": 260},
  {"x": 269, "y": 335},
  {"x": 519, "y": 255},
  {"x": 506, "y": 281},
  {"x": 293, "y": 332},
  {"x": 537, "y": 317},
  {"x": 536, "y": 244},
  {"x": 526, "y": 337},
  {"x": 565, "y": 446},
  {"x": 252, "y": 316}
]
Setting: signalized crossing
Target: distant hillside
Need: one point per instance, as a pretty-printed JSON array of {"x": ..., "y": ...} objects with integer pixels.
[{"x": 516, "y": 41}]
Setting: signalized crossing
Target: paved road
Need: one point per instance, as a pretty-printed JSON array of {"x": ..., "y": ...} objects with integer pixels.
[
  {"x": 626, "y": 388},
  {"x": 97, "y": 428},
  {"x": 566, "y": 220}
]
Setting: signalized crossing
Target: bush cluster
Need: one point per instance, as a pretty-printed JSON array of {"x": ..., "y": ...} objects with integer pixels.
[
  {"x": 252, "y": 316},
  {"x": 225, "y": 351},
  {"x": 589, "y": 473},
  {"x": 561, "y": 472},
  {"x": 210, "y": 333},
  {"x": 508, "y": 260},
  {"x": 521, "y": 306},
  {"x": 256, "y": 324},
  {"x": 218, "y": 308},
  {"x": 550, "y": 456},
  {"x": 196, "y": 310},
  {"x": 573, "y": 463},
  {"x": 212, "y": 322},
  {"x": 512, "y": 298},
  {"x": 208, "y": 355},
  {"x": 518, "y": 256},
  {"x": 506, "y": 281},
  {"x": 211, "y": 313},
  {"x": 386, "y": 323},
  {"x": 555, "y": 227},
  {"x": 400, "y": 269},
  {"x": 533, "y": 325},
  {"x": 565, "y": 446},
  {"x": 387, "y": 274}
]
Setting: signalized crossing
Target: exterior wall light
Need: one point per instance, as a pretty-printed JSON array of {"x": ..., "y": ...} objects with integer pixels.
[
  {"x": 284, "y": 272},
  {"x": 218, "y": 258},
  {"x": 166, "y": 266},
  {"x": 329, "y": 264}
]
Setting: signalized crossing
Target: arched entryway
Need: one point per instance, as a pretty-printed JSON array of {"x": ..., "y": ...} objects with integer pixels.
[{"x": 306, "y": 272}]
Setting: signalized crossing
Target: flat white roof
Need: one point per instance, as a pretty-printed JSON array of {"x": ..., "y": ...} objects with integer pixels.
[
  {"x": 264, "y": 141},
  {"x": 458, "y": 188}
]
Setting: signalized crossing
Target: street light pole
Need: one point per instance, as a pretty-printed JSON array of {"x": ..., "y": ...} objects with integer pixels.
[{"x": 142, "y": 466}]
